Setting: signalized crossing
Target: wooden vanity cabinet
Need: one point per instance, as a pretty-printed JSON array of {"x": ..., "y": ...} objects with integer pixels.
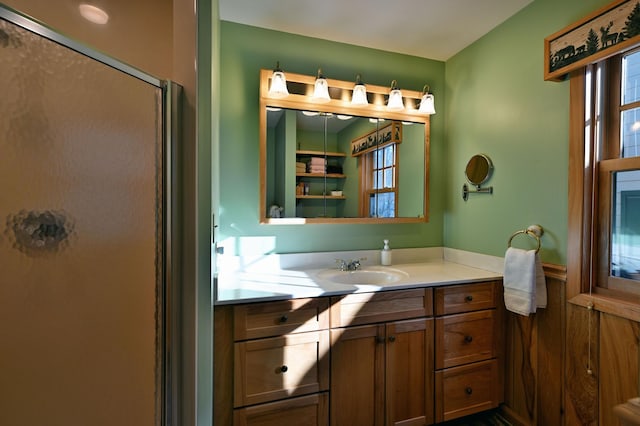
[
  {"x": 468, "y": 341},
  {"x": 399, "y": 357},
  {"x": 382, "y": 372}
]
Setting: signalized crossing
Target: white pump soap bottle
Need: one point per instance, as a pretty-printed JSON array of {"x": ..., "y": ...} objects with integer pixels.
[{"x": 385, "y": 254}]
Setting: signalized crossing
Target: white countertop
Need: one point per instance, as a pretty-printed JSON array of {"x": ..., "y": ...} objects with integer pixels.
[{"x": 280, "y": 277}]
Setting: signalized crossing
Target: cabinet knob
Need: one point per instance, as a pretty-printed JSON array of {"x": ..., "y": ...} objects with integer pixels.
[
  {"x": 468, "y": 390},
  {"x": 468, "y": 339},
  {"x": 284, "y": 318},
  {"x": 284, "y": 368},
  {"x": 469, "y": 298},
  {"x": 379, "y": 339},
  {"x": 392, "y": 338}
]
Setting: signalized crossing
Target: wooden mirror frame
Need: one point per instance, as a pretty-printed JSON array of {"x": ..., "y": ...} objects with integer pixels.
[{"x": 300, "y": 100}]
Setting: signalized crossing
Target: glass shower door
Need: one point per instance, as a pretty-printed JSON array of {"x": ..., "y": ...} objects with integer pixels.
[{"x": 81, "y": 238}]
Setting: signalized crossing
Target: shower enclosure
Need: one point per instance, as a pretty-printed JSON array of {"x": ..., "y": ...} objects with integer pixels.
[{"x": 85, "y": 234}]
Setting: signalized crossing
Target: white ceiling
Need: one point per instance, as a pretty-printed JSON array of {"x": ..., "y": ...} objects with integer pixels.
[{"x": 434, "y": 29}]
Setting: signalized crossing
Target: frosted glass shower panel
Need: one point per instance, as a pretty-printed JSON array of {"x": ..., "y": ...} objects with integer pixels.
[{"x": 80, "y": 238}]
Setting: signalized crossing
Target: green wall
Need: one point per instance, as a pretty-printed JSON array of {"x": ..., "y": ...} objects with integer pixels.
[
  {"x": 244, "y": 50},
  {"x": 498, "y": 103},
  {"x": 491, "y": 98}
]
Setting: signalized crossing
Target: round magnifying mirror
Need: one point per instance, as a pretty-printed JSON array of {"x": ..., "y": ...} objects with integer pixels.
[{"x": 478, "y": 169}]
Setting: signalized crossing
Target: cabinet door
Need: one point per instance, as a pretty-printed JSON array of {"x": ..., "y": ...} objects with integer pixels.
[
  {"x": 357, "y": 376},
  {"x": 409, "y": 372}
]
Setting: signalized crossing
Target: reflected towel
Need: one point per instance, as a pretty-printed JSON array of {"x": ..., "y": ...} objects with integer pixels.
[
  {"x": 318, "y": 160},
  {"x": 525, "y": 288}
]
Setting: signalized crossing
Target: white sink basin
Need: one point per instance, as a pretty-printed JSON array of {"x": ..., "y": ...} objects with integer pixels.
[{"x": 364, "y": 276}]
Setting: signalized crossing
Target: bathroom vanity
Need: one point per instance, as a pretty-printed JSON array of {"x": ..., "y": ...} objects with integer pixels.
[{"x": 420, "y": 350}]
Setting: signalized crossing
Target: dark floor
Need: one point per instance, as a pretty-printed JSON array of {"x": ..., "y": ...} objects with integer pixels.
[{"x": 487, "y": 418}]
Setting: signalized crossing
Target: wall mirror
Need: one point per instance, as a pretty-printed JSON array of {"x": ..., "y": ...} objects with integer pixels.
[
  {"x": 333, "y": 162},
  {"x": 478, "y": 171}
]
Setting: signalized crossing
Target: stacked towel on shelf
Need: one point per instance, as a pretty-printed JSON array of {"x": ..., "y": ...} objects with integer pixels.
[
  {"x": 316, "y": 165},
  {"x": 301, "y": 167},
  {"x": 525, "y": 288}
]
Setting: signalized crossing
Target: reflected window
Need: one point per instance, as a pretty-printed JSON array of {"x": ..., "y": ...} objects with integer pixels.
[{"x": 380, "y": 182}]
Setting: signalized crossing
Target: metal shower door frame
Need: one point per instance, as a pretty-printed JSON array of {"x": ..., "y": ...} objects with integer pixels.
[{"x": 168, "y": 306}]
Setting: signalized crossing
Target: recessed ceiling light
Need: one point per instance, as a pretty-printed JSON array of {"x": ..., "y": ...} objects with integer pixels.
[{"x": 93, "y": 14}]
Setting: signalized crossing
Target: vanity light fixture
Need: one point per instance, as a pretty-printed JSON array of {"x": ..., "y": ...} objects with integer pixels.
[
  {"x": 359, "y": 96},
  {"x": 93, "y": 14},
  {"x": 395, "y": 98},
  {"x": 426, "y": 103},
  {"x": 278, "y": 88},
  {"x": 321, "y": 89}
]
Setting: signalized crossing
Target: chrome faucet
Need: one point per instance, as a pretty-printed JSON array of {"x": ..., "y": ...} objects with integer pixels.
[{"x": 351, "y": 265}]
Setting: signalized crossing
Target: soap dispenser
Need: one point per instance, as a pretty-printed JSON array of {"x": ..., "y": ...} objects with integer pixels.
[{"x": 385, "y": 254}]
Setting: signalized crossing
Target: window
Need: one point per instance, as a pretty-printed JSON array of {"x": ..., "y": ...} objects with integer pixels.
[
  {"x": 380, "y": 182},
  {"x": 612, "y": 156}
]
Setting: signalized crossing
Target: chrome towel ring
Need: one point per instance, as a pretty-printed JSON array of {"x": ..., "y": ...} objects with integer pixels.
[{"x": 534, "y": 231}]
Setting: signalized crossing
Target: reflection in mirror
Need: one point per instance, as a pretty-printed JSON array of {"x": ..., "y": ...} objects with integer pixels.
[
  {"x": 326, "y": 165},
  {"x": 339, "y": 162}
]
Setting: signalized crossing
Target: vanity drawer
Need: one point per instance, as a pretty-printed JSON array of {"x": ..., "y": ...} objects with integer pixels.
[
  {"x": 267, "y": 319},
  {"x": 369, "y": 308},
  {"x": 465, "y": 338},
  {"x": 465, "y": 298},
  {"x": 310, "y": 410},
  {"x": 280, "y": 367},
  {"x": 465, "y": 390}
]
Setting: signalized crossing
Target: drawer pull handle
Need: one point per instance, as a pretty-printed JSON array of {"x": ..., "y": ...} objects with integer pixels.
[
  {"x": 392, "y": 338},
  {"x": 284, "y": 319},
  {"x": 468, "y": 339},
  {"x": 469, "y": 298},
  {"x": 284, "y": 369},
  {"x": 468, "y": 390}
]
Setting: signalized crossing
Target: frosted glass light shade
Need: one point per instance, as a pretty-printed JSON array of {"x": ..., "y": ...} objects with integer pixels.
[
  {"x": 395, "y": 100},
  {"x": 321, "y": 90},
  {"x": 426, "y": 104},
  {"x": 278, "y": 86},
  {"x": 359, "y": 96}
]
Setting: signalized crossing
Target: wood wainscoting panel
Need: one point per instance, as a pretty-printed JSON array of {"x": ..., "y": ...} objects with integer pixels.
[
  {"x": 618, "y": 364},
  {"x": 581, "y": 388},
  {"x": 520, "y": 378},
  {"x": 534, "y": 358},
  {"x": 551, "y": 338}
]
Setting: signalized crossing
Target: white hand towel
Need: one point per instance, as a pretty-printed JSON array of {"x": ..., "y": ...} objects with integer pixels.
[{"x": 524, "y": 283}]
